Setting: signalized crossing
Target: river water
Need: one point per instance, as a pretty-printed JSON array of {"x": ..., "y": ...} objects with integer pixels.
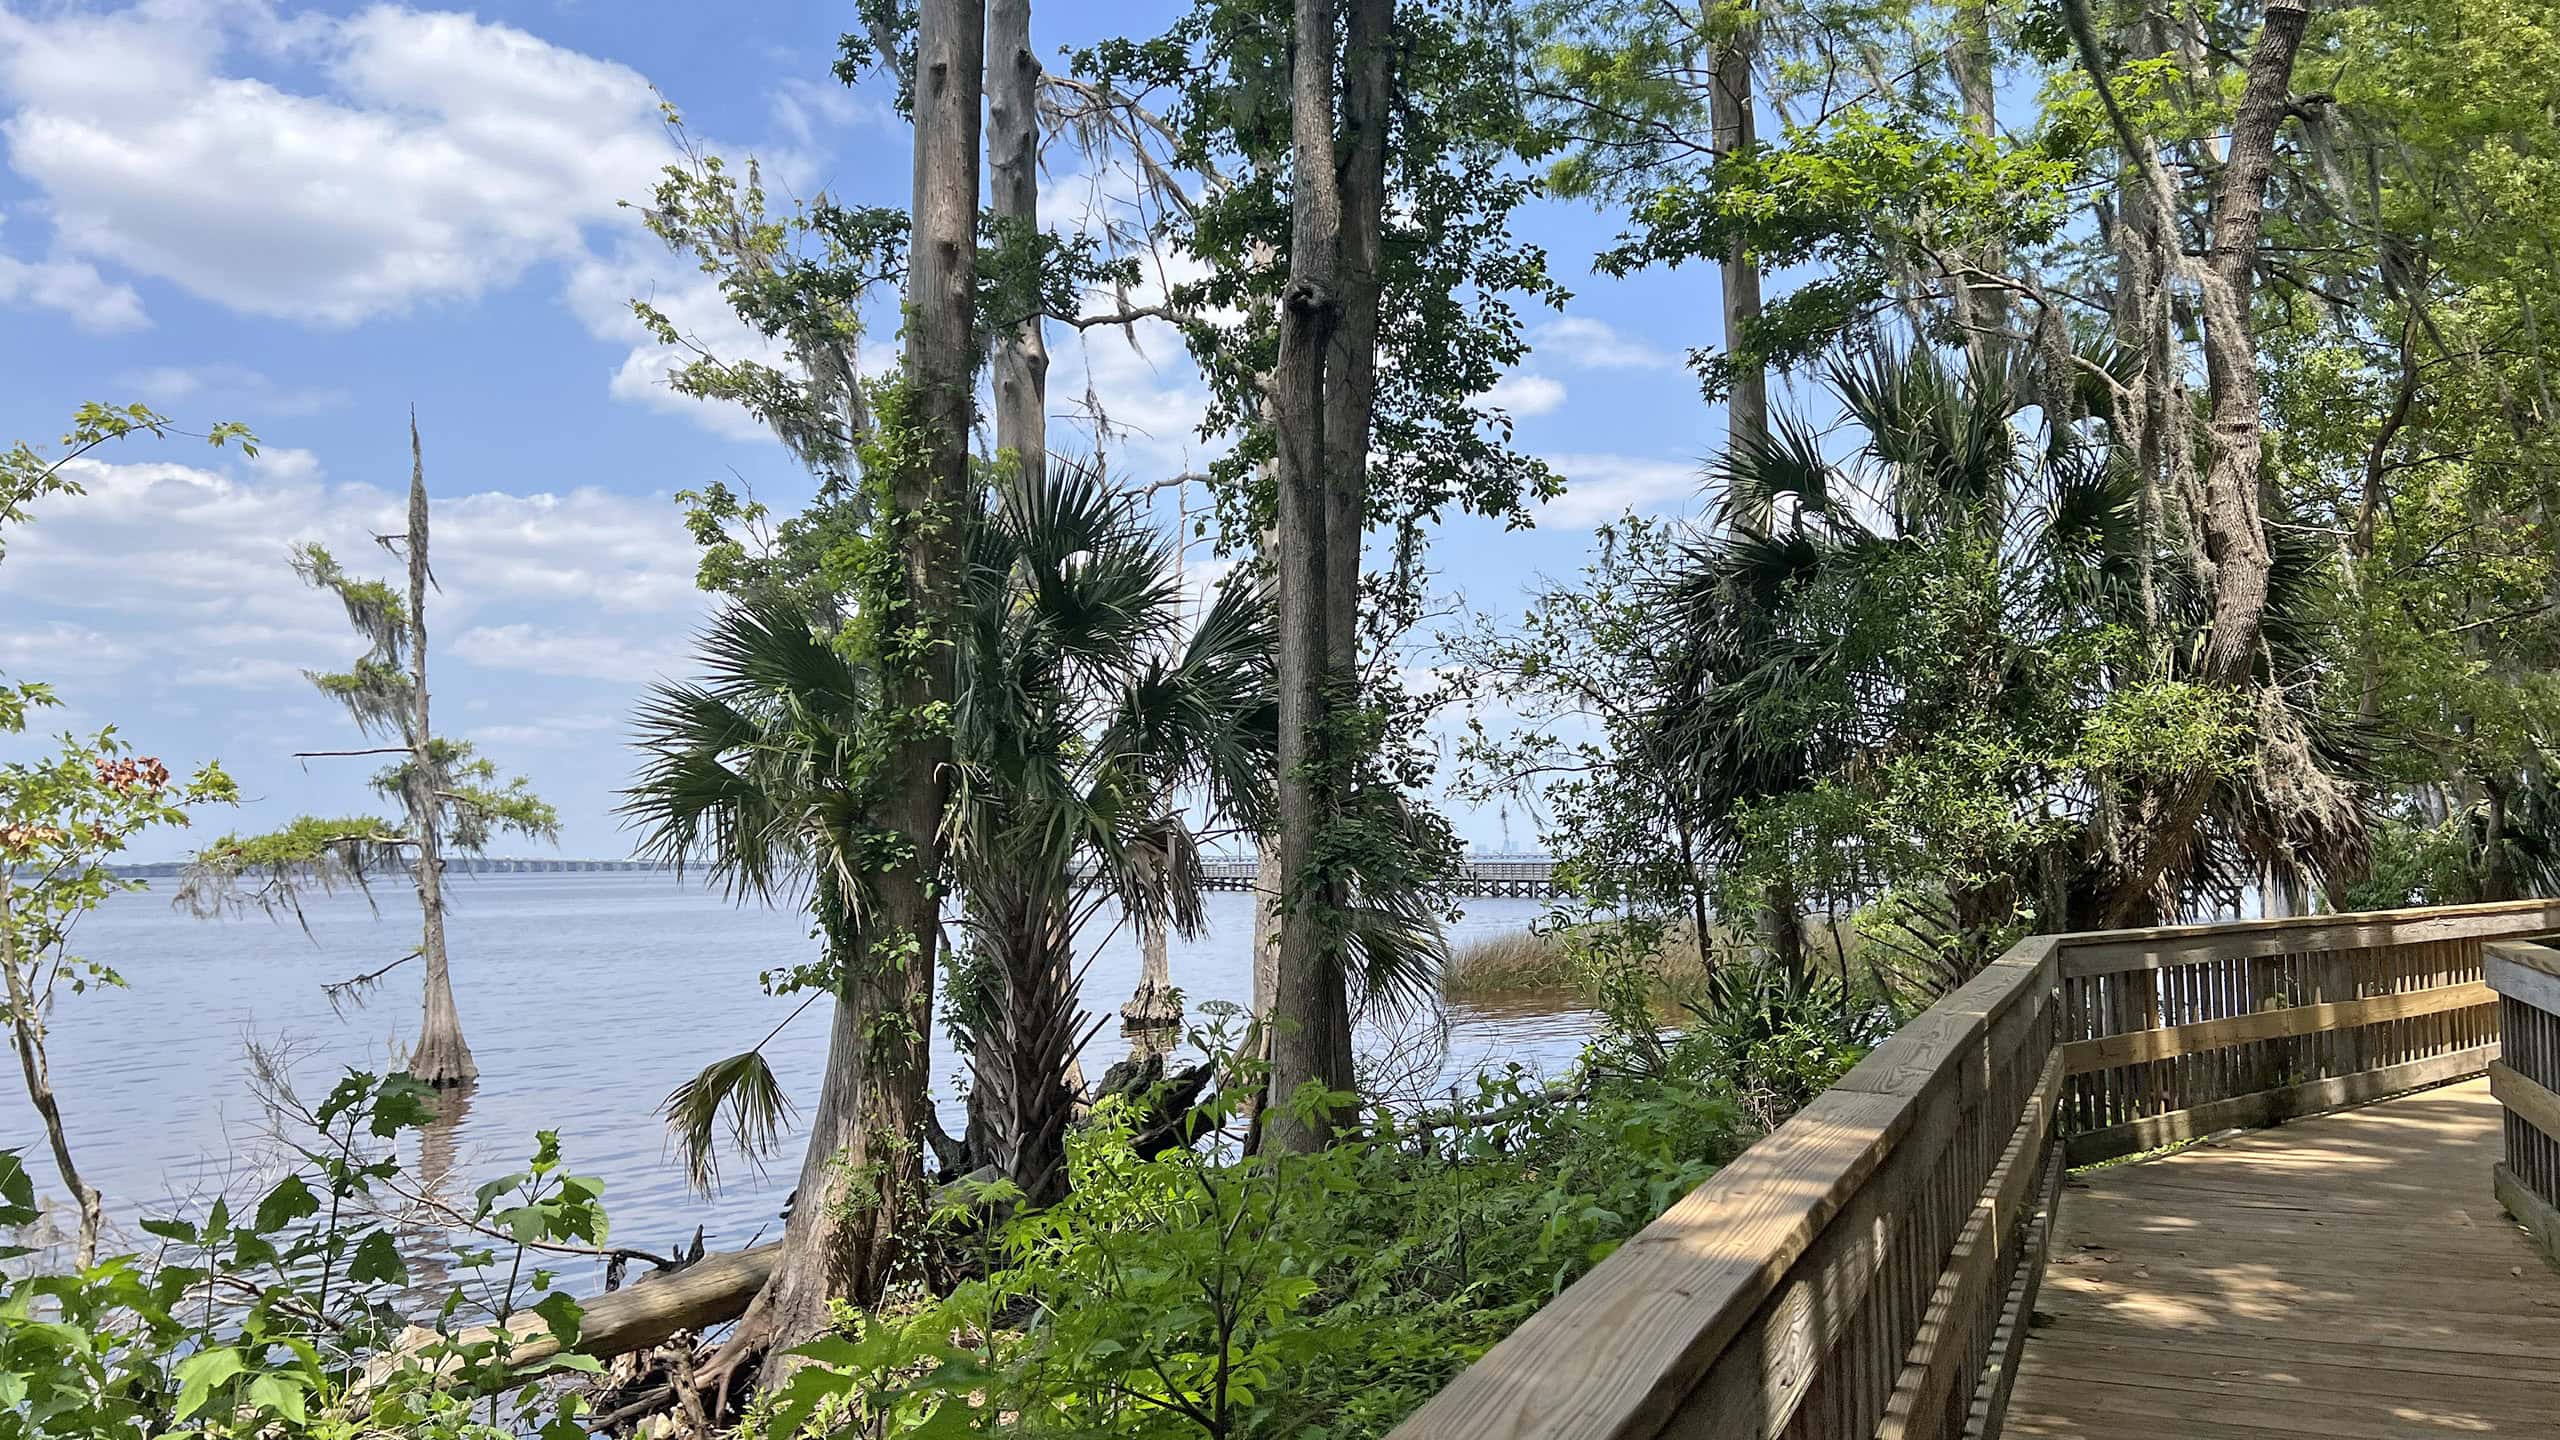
[{"x": 586, "y": 998}]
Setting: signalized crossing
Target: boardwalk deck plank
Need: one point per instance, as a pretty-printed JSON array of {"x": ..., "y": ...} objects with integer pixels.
[{"x": 2348, "y": 1275}]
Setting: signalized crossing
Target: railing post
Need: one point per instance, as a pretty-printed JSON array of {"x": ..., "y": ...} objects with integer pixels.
[{"x": 2526, "y": 1080}]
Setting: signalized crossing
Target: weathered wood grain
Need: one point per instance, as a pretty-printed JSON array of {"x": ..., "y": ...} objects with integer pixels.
[
  {"x": 2270, "y": 1107},
  {"x": 2139, "y": 1046},
  {"x": 2175, "y": 1309}
]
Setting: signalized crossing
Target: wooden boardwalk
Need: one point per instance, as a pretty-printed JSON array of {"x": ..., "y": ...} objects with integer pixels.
[{"x": 2349, "y": 1275}]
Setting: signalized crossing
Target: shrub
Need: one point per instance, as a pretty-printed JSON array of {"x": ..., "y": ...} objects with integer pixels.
[
  {"x": 283, "y": 1320},
  {"x": 1194, "y": 1294}
]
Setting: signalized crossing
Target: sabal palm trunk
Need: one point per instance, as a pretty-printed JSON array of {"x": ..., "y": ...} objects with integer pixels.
[{"x": 1027, "y": 1042}]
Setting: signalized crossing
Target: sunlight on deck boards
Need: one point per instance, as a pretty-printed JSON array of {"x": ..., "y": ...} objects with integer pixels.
[{"x": 2346, "y": 1276}]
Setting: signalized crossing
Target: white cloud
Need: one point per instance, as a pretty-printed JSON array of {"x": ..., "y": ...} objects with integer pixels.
[
  {"x": 227, "y": 384},
  {"x": 60, "y": 647},
  {"x": 600, "y": 293},
  {"x": 802, "y": 108},
  {"x": 1526, "y": 394},
  {"x": 1590, "y": 344},
  {"x": 522, "y": 645},
  {"x": 1600, "y": 488},
  {"x": 431, "y": 155},
  {"x": 75, "y": 288},
  {"x": 550, "y": 731},
  {"x": 184, "y": 569}
]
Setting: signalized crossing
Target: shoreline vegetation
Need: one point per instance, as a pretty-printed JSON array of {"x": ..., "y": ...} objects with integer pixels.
[
  {"x": 2134, "y": 492},
  {"x": 1559, "y": 960}
]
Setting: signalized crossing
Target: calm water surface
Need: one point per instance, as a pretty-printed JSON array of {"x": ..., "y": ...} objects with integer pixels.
[{"x": 586, "y": 998}]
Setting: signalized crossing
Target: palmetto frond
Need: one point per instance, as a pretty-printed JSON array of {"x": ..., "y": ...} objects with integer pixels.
[
  {"x": 1944, "y": 436},
  {"x": 1395, "y": 952},
  {"x": 1763, "y": 475},
  {"x": 737, "y": 1093},
  {"x": 746, "y": 773}
]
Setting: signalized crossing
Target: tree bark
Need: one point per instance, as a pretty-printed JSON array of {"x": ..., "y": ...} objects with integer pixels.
[
  {"x": 1734, "y": 130},
  {"x": 1309, "y": 1011},
  {"x": 34, "y": 1064},
  {"x": 1351, "y": 367},
  {"x": 441, "y": 1058},
  {"x": 864, "y": 1173},
  {"x": 1021, "y": 361},
  {"x": 2235, "y": 542},
  {"x": 1983, "y": 308}
]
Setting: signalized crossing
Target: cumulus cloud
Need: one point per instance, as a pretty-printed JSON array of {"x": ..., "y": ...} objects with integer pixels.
[
  {"x": 600, "y": 293},
  {"x": 428, "y": 156},
  {"x": 1600, "y": 488},
  {"x": 1589, "y": 344},
  {"x": 1527, "y": 394},
  {"x": 544, "y": 650},
  {"x": 75, "y": 288},
  {"x": 235, "y": 387},
  {"x": 182, "y": 570}
]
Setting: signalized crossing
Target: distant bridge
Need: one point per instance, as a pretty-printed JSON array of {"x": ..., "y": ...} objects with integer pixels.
[
  {"x": 1515, "y": 876},
  {"x": 1529, "y": 877},
  {"x": 453, "y": 865}
]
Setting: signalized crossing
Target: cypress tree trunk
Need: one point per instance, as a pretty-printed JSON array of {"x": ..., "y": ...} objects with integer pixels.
[
  {"x": 1735, "y": 130},
  {"x": 862, "y": 1169},
  {"x": 2238, "y": 558},
  {"x": 1013, "y": 174},
  {"x": 863, "y": 1179},
  {"x": 1310, "y": 1020},
  {"x": 441, "y": 1059}
]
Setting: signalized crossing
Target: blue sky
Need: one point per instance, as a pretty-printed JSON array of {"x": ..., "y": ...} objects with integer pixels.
[{"x": 310, "y": 218}]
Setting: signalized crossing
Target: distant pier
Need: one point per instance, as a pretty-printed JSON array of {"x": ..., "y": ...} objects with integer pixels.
[{"x": 1523, "y": 877}]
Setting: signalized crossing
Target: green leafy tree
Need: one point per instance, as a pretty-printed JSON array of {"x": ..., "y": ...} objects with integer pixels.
[
  {"x": 1922, "y": 667},
  {"x": 63, "y": 822},
  {"x": 450, "y": 799},
  {"x": 65, "y": 818},
  {"x": 1577, "y": 676}
]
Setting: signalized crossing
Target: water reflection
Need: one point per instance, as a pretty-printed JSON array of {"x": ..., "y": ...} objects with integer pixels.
[{"x": 587, "y": 999}]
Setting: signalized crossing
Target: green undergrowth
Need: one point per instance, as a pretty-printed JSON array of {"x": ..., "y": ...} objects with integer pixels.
[{"x": 1323, "y": 1295}]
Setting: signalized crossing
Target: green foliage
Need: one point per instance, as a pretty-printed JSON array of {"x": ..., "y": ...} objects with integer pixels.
[
  {"x": 1087, "y": 713},
  {"x": 436, "y": 782},
  {"x": 1186, "y": 1294},
  {"x": 64, "y": 821},
  {"x": 282, "y": 1320},
  {"x": 1775, "y": 1040},
  {"x": 1214, "y": 151},
  {"x": 1576, "y": 676},
  {"x": 28, "y": 474},
  {"x": 1865, "y": 198}
]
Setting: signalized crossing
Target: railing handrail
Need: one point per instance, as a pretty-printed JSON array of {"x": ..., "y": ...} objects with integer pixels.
[
  {"x": 2095, "y": 952},
  {"x": 1733, "y": 1311},
  {"x": 1617, "y": 1352}
]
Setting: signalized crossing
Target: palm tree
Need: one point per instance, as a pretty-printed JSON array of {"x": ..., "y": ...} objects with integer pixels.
[
  {"x": 1961, "y": 600},
  {"x": 1087, "y": 717}
]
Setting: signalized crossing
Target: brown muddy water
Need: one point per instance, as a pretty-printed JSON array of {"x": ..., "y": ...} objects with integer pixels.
[{"x": 586, "y": 998}]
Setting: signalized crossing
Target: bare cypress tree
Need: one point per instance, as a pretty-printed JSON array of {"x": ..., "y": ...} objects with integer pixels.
[{"x": 448, "y": 797}]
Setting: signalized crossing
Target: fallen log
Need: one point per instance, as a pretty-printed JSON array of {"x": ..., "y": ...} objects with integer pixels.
[{"x": 711, "y": 1291}]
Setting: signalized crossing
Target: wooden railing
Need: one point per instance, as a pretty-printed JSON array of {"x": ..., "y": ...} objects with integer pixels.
[
  {"x": 2526, "y": 1081},
  {"x": 1868, "y": 1268},
  {"x": 2171, "y": 1034}
]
